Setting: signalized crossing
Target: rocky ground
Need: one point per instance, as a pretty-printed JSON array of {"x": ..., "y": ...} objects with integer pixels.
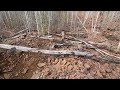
[{"x": 21, "y": 65}]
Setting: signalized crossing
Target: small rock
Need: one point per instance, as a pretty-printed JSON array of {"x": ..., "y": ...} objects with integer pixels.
[
  {"x": 80, "y": 63},
  {"x": 106, "y": 65},
  {"x": 68, "y": 63},
  {"x": 63, "y": 77},
  {"x": 36, "y": 72},
  {"x": 7, "y": 76},
  {"x": 16, "y": 74},
  {"x": 86, "y": 71},
  {"x": 70, "y": 67},
  {"x": 82, "y": 70},
  {"x": 82, "y": 75},
  {"x": 35, "y": 76},
  {"x": 72, "y": 76},
  {"x": 75, "y": 57},
  {"x": 25, "y": 70},
  {"x": 99, "y": 74},
  {"x": 47, "y": 69},
  {"x": 113, "y": 65},
  {"x": 47, "y": 73},
  {"x": 64, "y": 62},
  {"x": 108, "y": 76},
  {"x": 67, "y": 77},
  {"x": 60, "y": 59},
  {"x": 90, "y": 76},
  {"x": 119, "y": 77},
  {"x": 76, "y": 67},
  {"x": 102, "y": 70},
  {"x": 56, "y": 60},
  {"x": 92, "y": 72},
  {"x": 49, "y": 60},
  {"x": 41, "y": 64},
  {"x": 29, "y": 63},
  {"x": 59, "y": 71},
  {"x": 108, "y": 70},
  {"x": 63, "y": 67},
  {"x": 57, "y": 66},
  {"x": 114, "y": 73},
  {"x": 86, "y": 78},
  {"x": 59, "y": 77},
  {"x": 104, "y": 75},
  {"x": 87, "y": 65}
]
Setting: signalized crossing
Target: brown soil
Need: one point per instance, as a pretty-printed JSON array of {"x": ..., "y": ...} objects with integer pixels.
[{"x": 23, "y": 65}]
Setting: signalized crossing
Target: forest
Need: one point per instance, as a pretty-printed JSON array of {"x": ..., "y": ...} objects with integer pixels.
[{"x": 59, "y": 44}]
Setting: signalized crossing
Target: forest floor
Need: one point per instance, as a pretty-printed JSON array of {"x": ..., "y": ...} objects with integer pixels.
[{"x": 27, "y": 65}]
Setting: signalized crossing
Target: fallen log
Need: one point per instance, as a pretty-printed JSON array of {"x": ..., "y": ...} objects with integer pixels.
[
  {"x": 50, "y": 52},
  {"x": 91, "y": 46},
  {"x": 47, "y": 37},
  {"x": 62, "y": 52},
  {"x": 106, "y": 59},
  {"x": 17, "y": 34},
  {"x": 21, "y": 31}
]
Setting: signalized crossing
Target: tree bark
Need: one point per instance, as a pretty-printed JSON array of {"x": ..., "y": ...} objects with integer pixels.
[{"x": 50, "y": 52}]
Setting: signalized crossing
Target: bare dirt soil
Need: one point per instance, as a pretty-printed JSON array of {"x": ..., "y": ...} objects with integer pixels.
[{"x": 22, "y": 65}]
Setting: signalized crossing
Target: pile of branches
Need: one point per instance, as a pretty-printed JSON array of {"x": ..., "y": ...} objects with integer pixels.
[{"x": 104, "y": 56}]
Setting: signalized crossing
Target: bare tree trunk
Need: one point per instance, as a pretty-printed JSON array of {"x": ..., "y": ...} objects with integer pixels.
[
  {"x": 27, "y": 21},
  {"x": 41, "y": 22},
  {"x": 86, "y": 17},
  {"x": 49, "y": 20},
  {"x": 111, "y": 18},
  {"x": 96, "y": 21},
  {"x": 36, "y": 17},
  {"x": 10, "y": 18},
  {"x": 82, "y": 24}
]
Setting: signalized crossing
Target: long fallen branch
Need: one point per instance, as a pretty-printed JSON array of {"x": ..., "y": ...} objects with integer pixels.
[
  {"x": 21, "y": 31},
  {"x": 50, "y": 52},
  {"x": 17, "y": 34},
  {"x": 91, "y": 46},
  {"x": 106, "y": 59},
  {"x": 47, "y": 37},
  {"x": 61, "y": 52}
]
